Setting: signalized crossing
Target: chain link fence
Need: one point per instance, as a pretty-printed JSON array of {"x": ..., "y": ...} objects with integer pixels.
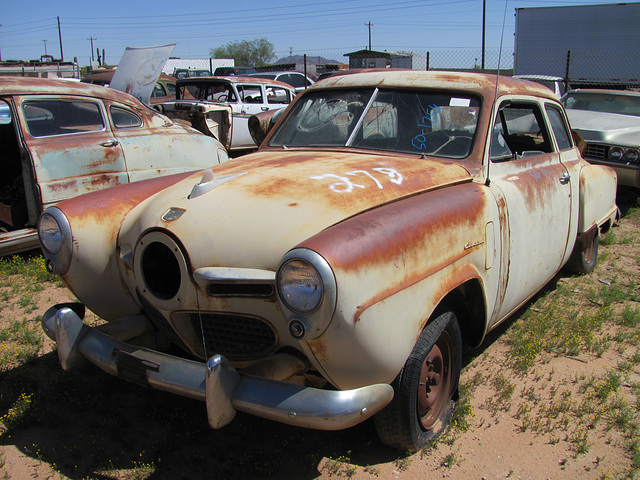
[{"x": 578, "y": 69}]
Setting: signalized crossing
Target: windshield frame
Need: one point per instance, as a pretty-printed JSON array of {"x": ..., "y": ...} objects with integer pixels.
[{"x": 388, "y": 119}]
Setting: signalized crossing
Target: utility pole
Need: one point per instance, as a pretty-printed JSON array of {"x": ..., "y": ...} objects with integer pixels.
[
  {"x": 484, "y": 26},
  {"x": 60, "y": 38},
  {"x": 45, "y": 46},
  {"x": 92, "y": 56},
  {"x": 369, "y": 25}
]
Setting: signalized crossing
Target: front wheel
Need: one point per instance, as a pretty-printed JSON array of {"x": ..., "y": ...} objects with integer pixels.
[{"x": 422, "y": 405}]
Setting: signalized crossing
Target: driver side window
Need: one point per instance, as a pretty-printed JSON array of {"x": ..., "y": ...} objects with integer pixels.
[{"x": 519, "y": 131}]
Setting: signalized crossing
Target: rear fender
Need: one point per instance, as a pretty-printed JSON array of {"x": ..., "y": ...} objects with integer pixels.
[{"x": 598, "y": 186}]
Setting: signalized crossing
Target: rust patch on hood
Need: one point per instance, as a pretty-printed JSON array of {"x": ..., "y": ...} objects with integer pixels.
[{"x": 119, "y": 199}]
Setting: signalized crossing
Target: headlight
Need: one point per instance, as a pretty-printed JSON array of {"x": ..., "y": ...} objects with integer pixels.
[
  {"x": 616, "y": 154},
  {"x": 307, "y": 293},
  {"x": 300, "y": 286},
  {"x": 631, "y": 156},
  {"x": 49, "y": 233},
  {"x": 54, "y": 232}
]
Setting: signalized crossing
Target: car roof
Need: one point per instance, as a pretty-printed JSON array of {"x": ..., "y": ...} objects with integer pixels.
[
  {"x": 606, "y": 91},
  {"x": 46, "y": 86},
  {"x": 107, "y": 75},
  {"x": 233, "y": 79},
  {"x": 540, "y": 77},
  {"x": 403, "y": 78},
  {"x": 280, "y": 72}
]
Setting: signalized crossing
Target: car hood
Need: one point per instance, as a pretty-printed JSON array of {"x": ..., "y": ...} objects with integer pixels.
[
  {"x": 606, "y": 127},
  {"x": 249, "y": 212}
]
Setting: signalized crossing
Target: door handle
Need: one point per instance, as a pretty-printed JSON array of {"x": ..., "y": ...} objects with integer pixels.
[
  {"x": 110, "y": 143},
  {"x": 264, "y": 109},
  {"x": 565, "y": 178}
]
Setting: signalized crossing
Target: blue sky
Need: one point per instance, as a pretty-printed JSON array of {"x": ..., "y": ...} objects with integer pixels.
[{"x": 328, "y": 28}]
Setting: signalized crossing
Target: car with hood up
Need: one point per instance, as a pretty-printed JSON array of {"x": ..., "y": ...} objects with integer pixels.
[
  {"x": 387, "y": 219},
  {"x": 609, "y": 123}
]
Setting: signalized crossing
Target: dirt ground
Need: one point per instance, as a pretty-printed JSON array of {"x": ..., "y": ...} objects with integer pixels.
[{"x": 88, "y": 425}]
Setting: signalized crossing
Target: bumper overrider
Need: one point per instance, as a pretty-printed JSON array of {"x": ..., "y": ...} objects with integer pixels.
[{"x": 218, "y": 383}]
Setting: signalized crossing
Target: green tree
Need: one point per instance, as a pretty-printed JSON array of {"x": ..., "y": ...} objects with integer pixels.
[{"x": 254, "y": 53}]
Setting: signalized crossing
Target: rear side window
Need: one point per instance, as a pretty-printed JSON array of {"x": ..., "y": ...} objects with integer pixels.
[
  {"x": 559, "y": 127},
  {"x": 278, "y": 95},
  {"x": 123, "y": 118},
  {"x": 293, "y": 80},
  {"x": 158, "y": 91},
  {"x": 60, "y": 117}
]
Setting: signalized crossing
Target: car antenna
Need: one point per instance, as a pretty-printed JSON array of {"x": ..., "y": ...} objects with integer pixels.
[{"x": 495, "y": 104}]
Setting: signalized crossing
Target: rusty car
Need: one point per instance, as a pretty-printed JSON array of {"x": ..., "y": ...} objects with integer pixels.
[
  {"x": 196, "y": 97},
  {"x": 61, "y": 139},
  {"x": 388, "y": 218},
  {"x": 609, "y": 123}
]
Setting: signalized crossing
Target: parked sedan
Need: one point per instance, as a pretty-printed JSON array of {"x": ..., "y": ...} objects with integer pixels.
[
  {"x": 246, "y": 97},
  {"x": 296, "y": 79},
  {"x": 609, "y": 122},
  {"x": 61, "y": 139},
  {"x": 387, "y": 219}
]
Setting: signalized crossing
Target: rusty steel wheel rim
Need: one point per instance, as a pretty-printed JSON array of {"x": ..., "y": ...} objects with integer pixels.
[
  {"x": 589, "y": 252},
  {"x": 435, "y": 382}
]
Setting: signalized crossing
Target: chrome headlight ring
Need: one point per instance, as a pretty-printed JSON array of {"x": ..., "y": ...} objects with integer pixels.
[
  {"x": 623, "y": 154},
  {"x": 54, "y": 232},
  {"x": 306, "y": 289},
  {"x": 631, "y": 155}
]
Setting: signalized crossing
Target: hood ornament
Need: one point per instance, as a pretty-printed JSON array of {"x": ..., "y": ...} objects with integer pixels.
[{"x": 209, "y": 182}]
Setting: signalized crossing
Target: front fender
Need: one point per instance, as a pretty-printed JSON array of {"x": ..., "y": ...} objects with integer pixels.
[
  {"x": 393, "y": 265},
  {"x": 95, "y": 220}
]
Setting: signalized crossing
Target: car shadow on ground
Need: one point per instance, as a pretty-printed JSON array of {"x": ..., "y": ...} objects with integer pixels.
[{"x": 87, "y": 424}]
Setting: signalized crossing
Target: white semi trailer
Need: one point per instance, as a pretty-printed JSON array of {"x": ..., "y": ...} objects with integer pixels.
[{"x": 587, "y": 45}]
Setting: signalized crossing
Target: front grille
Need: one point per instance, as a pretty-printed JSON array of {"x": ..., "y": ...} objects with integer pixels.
[
  {"x": 237, "y": 337},
  {"x": 594, "y": 150}
]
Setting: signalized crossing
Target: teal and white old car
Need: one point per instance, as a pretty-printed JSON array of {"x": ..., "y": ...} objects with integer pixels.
[
  {"x": 61, "y": 139},
  {"x": 387, "y": 219}
]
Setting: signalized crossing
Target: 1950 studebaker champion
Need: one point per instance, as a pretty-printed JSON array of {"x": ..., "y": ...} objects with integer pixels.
[{"x": 333, "y": 275}]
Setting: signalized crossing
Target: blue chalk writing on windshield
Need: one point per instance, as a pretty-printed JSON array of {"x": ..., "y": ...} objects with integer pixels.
[{"x": 419, "y": 141}]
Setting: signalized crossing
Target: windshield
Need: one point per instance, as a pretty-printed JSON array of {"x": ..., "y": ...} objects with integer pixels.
[
  {"x": 210, "y": 91},
  {"x": 604, "y": 102},
  {"x": 421, "y": 122}
]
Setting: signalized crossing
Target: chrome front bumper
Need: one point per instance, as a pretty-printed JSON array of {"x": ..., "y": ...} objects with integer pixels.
[{"x": 218, "y": 383}]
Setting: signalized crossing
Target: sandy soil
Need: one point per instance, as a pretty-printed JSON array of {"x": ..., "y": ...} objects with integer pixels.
[{"x": 87, "y": 425}]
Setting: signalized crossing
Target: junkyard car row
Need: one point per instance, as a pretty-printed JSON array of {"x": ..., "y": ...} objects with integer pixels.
[
  {"x": 387, "y": 219},
  {"x": 61, "y": 139}
]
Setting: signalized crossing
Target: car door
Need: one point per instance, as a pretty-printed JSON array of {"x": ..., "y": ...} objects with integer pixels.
[
  {"x": 71, "y": 145},
  {"x": 251, "y": 100},
  {"x": 534, "y": 191},
  {"x": 152, "y": 147}
]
